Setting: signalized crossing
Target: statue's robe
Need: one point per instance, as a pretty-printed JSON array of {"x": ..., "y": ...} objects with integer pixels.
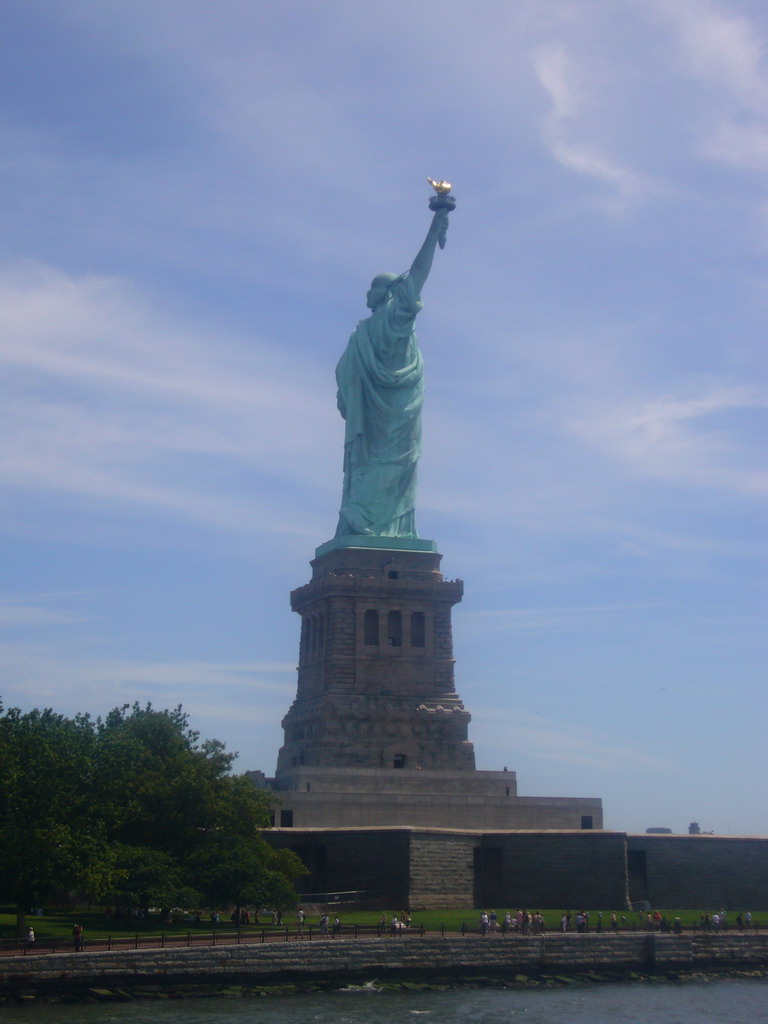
[{"x": 380, "y": 394}]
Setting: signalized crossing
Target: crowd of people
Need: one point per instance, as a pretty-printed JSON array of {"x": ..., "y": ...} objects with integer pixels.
[
  {"x": 526, "y": 923},
  {"x": 523, "y": 922}
]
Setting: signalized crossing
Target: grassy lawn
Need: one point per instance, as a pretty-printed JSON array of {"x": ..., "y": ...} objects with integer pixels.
[{"x": 97, "y": 924}]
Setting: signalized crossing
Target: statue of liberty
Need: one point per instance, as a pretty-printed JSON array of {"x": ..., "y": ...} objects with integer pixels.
[{"x": 380, "y": 394}]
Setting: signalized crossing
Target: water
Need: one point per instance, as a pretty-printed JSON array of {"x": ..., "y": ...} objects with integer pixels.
[{"x": 726, "y": 1001}]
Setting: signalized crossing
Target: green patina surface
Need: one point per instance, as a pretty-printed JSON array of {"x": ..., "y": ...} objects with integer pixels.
[
  {"x": 380, "y": 380},
  {"x": 381, "y": 543}
]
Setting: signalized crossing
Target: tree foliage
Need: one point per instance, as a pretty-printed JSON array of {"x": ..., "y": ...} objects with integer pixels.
[
  {"x": 133, "y": 809},
  {"x": 51, "y": 837}
]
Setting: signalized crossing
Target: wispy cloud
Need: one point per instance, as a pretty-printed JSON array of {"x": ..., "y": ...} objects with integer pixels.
[
  {"x": 723, "y": 47},
  {"x": 568, "y": 138},
  {"x": 238, "y": 703},
  {"x": 685, "y": 441},
  {"x": 16, "y": 613},
  {"x": 107, "y": 400},
  {"x": 72, "y": 677},
  {"x": 538, "y": 737},
  {"x": 551, "y": 619},
  {"x": 727, "y": 51}
]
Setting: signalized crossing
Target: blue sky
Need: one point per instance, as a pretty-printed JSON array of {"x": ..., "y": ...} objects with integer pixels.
[{"x": 194, "y": 199}]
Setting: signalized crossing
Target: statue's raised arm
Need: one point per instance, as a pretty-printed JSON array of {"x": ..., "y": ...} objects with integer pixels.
[
  {"x": 380, "y": 395},
  {"x": 422, "y": 265}
]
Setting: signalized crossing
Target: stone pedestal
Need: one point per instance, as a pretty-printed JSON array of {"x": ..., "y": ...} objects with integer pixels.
[
  {"x": 377, "y": 735},
  {"x": 376, "y": 666}
]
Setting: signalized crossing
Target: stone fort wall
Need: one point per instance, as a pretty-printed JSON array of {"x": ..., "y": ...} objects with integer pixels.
[
  {"x": 707, "y": 872},
  {"x": 411, "y": 868}
]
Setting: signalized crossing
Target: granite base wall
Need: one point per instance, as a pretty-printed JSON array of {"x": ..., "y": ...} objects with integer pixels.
[
  {"x": 425, "y": 868},
  {"x": 441, "y": 870},
  {"x": 699, "y": 872},
  {"x": 411, "y": 868},
  {"x": 552, "y": 869},
  {"x": 346, "y": 960},
  {"x": 375, "y": 861}
]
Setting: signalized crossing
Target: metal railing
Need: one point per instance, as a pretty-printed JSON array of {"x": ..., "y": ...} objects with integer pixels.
[
  {"x": 312, "y": 932},
  {"x": 246, "y": 934}
]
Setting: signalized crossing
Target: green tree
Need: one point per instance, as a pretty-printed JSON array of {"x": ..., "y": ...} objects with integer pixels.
[
  {"x": 52, "y": 836},
  {"x": 230, "y": 870},
  {"x": 147, "y": 878},
  {"x": 233, "y": 864},
  {"x": 160, "y": 785},
  {"x": 133, "y": 809}
]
